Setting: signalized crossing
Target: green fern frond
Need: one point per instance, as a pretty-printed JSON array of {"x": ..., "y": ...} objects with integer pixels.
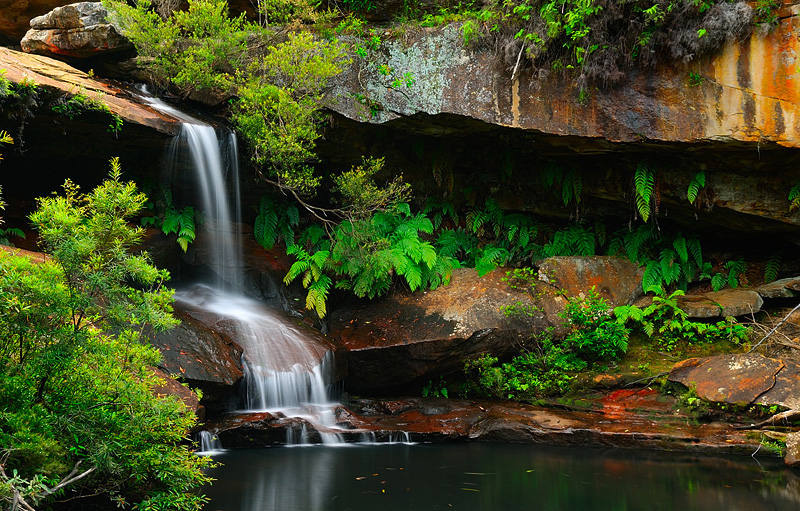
[
  {"x": 772, "y": 267},
  {"x": 718, "y": 281},
  {"x": 794, "y": 197},
  {"x": 679, "y": 244},
  {"x": 698, "y": 182},
  {"x": 644, "y": 184}
]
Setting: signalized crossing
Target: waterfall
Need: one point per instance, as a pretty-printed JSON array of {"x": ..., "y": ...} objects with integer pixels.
[
  {"x": 286, "y": 370},
  {"x": 209, "y": 443}
]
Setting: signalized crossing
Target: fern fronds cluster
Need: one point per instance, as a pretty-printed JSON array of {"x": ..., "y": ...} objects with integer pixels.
[{"x": 275, "y": 222}]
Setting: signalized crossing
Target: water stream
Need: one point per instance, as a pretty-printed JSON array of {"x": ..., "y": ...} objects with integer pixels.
[{"x": 285, "y": 370}]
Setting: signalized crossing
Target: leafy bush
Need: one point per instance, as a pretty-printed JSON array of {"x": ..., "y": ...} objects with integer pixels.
[
  {"x": 364, "y": 254},
  {"x": 77, "y": 405},
  {"x": 594, "y": 334},
  {"x": 666, "y": 322}
]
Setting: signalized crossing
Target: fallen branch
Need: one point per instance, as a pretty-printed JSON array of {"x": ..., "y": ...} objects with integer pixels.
[
  {"x": 19, "y": 502},
  {"x": 774, "y": 328},
  {"x": 784, "y": 417}
]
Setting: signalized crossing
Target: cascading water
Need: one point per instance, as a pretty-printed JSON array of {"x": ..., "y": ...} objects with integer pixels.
[{"x": 285, "y": 370}]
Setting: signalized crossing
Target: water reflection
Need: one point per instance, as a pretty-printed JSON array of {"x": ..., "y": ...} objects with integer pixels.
[{"x": 487, "y": 477}]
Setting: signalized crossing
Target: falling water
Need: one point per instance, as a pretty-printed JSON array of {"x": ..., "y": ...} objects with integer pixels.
[
  {"x": 209, "y": 443},
  {"x": 286, "y": 370}
]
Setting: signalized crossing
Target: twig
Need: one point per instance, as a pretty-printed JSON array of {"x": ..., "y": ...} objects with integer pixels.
[
  {"x": 651, "y": 378},
  {"x": 516, "y": 66},
  {"x": 787, "y": 416},
  {"x": 774, "y": 328}
]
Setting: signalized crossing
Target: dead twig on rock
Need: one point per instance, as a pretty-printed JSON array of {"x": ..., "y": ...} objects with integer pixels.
[
  {"x": 774, "y": 329},
  {"x": 782, "y": 417}
]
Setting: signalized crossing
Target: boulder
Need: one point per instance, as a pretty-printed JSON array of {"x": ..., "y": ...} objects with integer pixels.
[
  {"x": 783, "y": 288},
  {"x": 616, "y": 279},
  {"x": 737, "y": 379},
  {"x": 77, "y": 30},
  {"x": 792, "y": 457},
  {"x": 205, "y": 359},
  {"x": 55, "y": 75},
  {"x": 15, "y": 16},
  {"x": 172, "y": 387},
  {"x": 407, "y": 338},
  {"x": 725, "y": 303}
]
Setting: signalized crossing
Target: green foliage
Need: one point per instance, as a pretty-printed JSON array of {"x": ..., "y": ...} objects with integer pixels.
[
  {"x": 76, "y": 388},
  {"x": 670, "y": 259},
  {"x": 275, "y": 222},
  {"x": 277, "y": 110},
  {"x": 439, "y": 389},
  {"x": 767, "y": 12},
  {"x": 364, "y": 254},
  {"x": 794, "y": 197},
  {"x": 665, "y": 321},
  {"x": 698, "y": 183},
  {"x": 73, "y": 105},
  {"x": 200, "y": 48},
  {"x": 171, "y": 220},
  {"x": 575, "y": 239},
  {"x": 505, "y": 237},
  {"x": 594, "y": 334},
  {"x": 361, "y": 195},
  {"x": 282, "y": 12},
  {"x": 772, "y": 267},
  {"x": 695, "y": 79},
  {"x": 545, "y": 365},
  {"x": 644, "y": 181}
]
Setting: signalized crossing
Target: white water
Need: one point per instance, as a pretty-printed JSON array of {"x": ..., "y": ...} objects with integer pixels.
[
  {"x": 286, "y": 371},
  {"x": 209, "y": 443}
]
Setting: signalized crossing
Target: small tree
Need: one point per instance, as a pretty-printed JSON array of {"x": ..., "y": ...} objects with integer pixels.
[{"x": 77, "y": 408}]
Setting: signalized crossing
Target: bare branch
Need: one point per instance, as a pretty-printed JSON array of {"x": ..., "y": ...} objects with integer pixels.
[
  {"x": 781, "y": 322},
  {"x": 782, "y": 419}
]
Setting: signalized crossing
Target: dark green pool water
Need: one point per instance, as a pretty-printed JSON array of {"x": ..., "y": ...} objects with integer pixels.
[{"x": 495, "y": 477}]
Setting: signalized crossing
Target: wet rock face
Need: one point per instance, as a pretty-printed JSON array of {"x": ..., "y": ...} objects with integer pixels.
[
  {"x": 77, "y": 30},
  {"x": 617, "y": 280},
  {"x": 206, "y": 359},
  {"x": 741, "y": 379},
  {"x": 405, "y": 338},
  {"x": 738, "y": 128}
]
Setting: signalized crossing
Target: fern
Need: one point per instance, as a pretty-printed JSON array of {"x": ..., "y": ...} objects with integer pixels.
[
  {"x": 698, "y": 182},
  {"x": 736, "y": 270},
  {"x": 644, "y": 184},
  {"x": 718, "y": 281},
  {"x": 491, "y": 258},
  {"x": 794, "y": 197},
  {"x": 170, "y": 219},
  {"x": 275, "y": 222},
  {"x": 772, "y": 267}
]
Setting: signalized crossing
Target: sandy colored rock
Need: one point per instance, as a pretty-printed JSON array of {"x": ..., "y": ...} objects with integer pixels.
[
  {"x": 57, "y": 75},
  {"x": 736, "y": 302},
  {"x": 77, "y": 30},
  {"x": 783, "y": 288},
  {"x": 737, "y": 379},
  {"x": 786, "y": 391},
  {"x": 728, "y": 302},
  {"x": 792, "y": 458}
]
